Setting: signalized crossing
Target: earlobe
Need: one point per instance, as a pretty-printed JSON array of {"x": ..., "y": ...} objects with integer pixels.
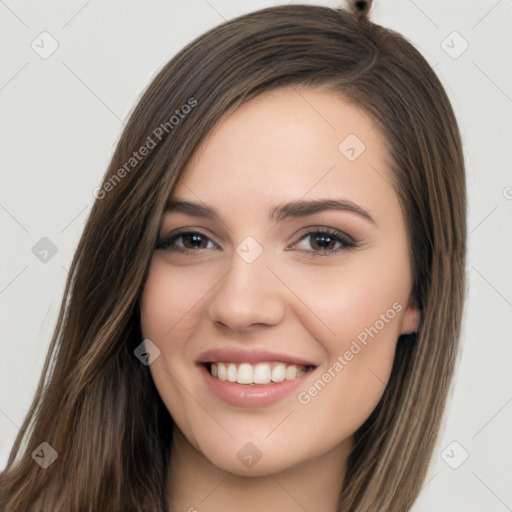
[{"x": 411, "y": 319}]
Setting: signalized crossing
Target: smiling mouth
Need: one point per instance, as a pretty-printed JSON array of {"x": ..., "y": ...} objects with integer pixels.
[{"x": 254, "y": 374}]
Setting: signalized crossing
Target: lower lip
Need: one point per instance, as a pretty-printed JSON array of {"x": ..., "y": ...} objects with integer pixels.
[{"x": 256, "y": 395}]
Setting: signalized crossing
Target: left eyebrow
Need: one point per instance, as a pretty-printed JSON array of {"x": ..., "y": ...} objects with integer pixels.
[
  {"x": 293, "y": 209},
  {"x": 303, "y": 208}
]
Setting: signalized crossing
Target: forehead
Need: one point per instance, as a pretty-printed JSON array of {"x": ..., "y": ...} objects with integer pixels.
[{"x": 287, "y": 144}]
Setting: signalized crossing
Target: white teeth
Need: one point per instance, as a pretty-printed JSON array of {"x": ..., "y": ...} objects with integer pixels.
[
  {"x": 261, "y": 373},
  {"x": 244, "y": 374},
  {"x": 291, "y": 372},
  {"x": 279, "y": 373},
  {"x": 221, "y": 371},
  {"x": 232, "y": 373}
]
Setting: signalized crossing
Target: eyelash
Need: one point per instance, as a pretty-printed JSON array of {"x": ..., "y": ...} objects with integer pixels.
[{"x": 338, "y": 236}]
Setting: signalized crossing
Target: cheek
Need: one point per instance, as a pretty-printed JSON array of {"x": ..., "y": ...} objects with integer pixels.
[
  {"x": 345, "y": 299},
  {"x": 355, "y": 313},
  {"x": 170, "y": 302},
  {"x": 169, "y": 314}
]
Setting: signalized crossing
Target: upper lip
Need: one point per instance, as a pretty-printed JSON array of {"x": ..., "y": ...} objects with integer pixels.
[{"x": 252, "y": 355}]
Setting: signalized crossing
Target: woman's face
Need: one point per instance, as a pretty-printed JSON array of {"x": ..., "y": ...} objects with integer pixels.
[{"x": 281, "y": 284}]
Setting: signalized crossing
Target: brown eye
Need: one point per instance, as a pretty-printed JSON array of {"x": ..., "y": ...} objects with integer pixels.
[
  {"x": 188, "y": 241},
  {"x": 194, "y": 241},
  {"x": 325, "y": 242},
  {"x": 322, "y": 242}
]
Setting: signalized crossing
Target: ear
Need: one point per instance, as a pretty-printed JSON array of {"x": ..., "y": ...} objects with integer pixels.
[{"x": 412, "y": 317}]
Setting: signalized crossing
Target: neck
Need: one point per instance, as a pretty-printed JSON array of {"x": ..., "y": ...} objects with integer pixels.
[{"x": 196, "y": 485}]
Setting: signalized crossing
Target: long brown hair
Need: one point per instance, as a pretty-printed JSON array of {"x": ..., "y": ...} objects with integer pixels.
[{"x": 96, "y": 404}]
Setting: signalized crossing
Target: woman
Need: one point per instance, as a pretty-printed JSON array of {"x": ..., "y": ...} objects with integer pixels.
[{"x": 264, "y": 309}]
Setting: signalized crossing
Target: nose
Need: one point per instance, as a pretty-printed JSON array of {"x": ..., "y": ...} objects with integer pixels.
[{"x": 247, "y": 296}]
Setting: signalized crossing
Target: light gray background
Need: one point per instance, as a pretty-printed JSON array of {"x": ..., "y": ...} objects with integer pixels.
[{"x": 61, "y": 117}]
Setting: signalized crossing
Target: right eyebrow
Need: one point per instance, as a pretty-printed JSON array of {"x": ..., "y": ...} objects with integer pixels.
[{"x": 193, "y": 208}]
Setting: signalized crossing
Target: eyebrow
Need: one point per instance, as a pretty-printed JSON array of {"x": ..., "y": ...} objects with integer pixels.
[
  {"x": 293, "y": 209},
  {"x": 303, "y": 208}
]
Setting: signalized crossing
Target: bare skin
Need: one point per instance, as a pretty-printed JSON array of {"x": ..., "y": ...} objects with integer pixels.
[{"x": 306, "y": 295}]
